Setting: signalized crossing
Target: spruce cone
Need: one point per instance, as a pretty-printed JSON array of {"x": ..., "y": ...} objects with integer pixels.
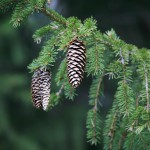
[
  {"x": 76, "y": 60},
  {"x": 40, "y": 87}
]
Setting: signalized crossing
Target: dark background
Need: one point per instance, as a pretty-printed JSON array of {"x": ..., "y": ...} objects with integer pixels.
[{"x": 22, "y": 127}]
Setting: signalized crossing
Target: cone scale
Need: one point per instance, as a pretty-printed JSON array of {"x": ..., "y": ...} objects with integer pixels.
[{"x": 76, "y": 60}]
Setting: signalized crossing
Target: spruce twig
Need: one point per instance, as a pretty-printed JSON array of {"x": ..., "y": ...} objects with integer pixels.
[
  {"x": 98, "y": 91},
  {"x": 60, "y": 90},
  {"x": 94, "y": 123},
  {"x": 111, "y": 133},
  {"x": 53, "y": 15},
  {"x": 146, "y": 86}
]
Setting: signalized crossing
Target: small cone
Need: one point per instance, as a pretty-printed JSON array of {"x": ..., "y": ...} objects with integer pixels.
[
  {"x": 36, "y": 96},
  {"x": 45, "y": 88},
  {"x": 40, "y": 88},
  {"x": 76, "y": 60}
]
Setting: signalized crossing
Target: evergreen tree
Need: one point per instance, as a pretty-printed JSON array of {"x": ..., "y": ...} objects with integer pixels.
[{"x": 127, "y": 125}]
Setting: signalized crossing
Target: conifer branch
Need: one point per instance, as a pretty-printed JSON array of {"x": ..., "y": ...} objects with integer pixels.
[
  {"x": 44, "y": 30},
  {"x": 94, "y": 122},
  {"x": 93, "y": 125},
  {"x": 125, "y": 95},
  {"x": 122, "y": 139},
  {"x": 6, "y": 4},
  {"x": 111, "y": 133},
  {"x": 69, "y": 90},
  {"x": 137, "y": 101},
  {"x": 22, "y": 10},
  {"x": 140, "y": 140},
  {"x": 60, "y": 76},
  {"x": 98, "y": 92},
  {"x": 132, "y": 140},
  {"x": 95, "y": 53},
  {"x": 122, "y": 130},
  {"x": 143, "y": 142},
  {"x": 146, "y": 86},
  {"x": 37, "y": 6},
  {"x": 47, "y": 56},
  {"x": 60, "y": 90},
  {"x": 55, "y": 97},
  {"x": 54, "y": 15},
  {"x": 61, "y": 79}
]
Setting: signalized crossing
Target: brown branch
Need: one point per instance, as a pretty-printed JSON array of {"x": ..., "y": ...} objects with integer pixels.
[
  {"x": 112, "y": 130},
  {"x": 49, "y": 12},
  {"x": 53, "y": 15},
  {"x": 123, "y": 137},
  {"x": 146, "y": 86},
  {"x": 98, "y": 90}
]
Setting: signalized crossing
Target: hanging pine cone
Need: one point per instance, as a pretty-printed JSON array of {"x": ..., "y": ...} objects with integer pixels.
[
  {"x": 40, "y": 88},
  {"x": 76, "y": 60},
  {"x": 36, "y": 96},
  {"x": 45, "y": 83}
]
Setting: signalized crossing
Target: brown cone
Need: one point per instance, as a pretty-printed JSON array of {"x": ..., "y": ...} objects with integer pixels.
[
  {"x": 40, "y": 88},
  {"x": 76, "y": 60}
]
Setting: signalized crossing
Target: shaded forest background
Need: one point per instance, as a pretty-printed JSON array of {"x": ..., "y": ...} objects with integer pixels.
[{"x": 22, "y": 127}]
